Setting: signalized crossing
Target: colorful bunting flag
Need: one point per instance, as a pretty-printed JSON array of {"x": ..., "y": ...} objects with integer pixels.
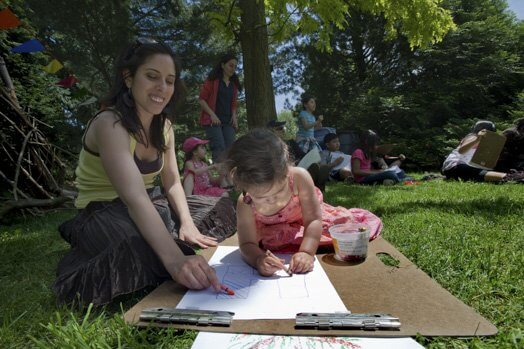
[
  {"x": 53, "y": 66},
  {"x": 8, "y": 20},
  {"x": 32, "y": 45},
  {"x": 68, "y": 82}
]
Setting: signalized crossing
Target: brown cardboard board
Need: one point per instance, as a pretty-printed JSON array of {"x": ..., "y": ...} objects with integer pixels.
[
  {"x": 405, "y": 291},
  {"x": 488, "y": 150}
]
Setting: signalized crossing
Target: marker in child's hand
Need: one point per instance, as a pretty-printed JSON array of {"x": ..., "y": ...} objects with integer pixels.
[
  {"x": 270, "y": 254},
  {"x": 227, "y": 290}
]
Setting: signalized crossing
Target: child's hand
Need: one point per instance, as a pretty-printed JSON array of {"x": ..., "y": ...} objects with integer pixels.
[
  {"x": 338, "y": 160},
  {"x": 301, "y": 262},
  {"x": 402, "y": 157},
  {"x": 268, "y": 265}
]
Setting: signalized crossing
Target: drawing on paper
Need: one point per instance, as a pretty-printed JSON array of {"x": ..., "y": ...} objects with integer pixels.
[
  {"x": 239, "y": 278},
  {"x": 242, "y": 279},
  {"x": 246, "y": 341},
  {"x": 293, "y": 287}
]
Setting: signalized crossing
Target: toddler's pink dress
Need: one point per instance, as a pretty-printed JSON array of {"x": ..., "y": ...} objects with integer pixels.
[
  {"x": 203, "y": 185},
  {"x": 283, "y": 231}
]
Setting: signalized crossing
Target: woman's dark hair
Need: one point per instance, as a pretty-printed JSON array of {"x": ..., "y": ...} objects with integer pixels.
[
  {"x": 368, "y": 141},
  {"x": 121, "y": 100},
  {"x": 218, "y": 72},
  {"x": 306, "y": 98},
  {"x": 258, "y": 158}
]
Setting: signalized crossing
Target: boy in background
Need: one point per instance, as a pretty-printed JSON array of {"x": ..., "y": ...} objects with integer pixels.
[{"x": 338, "y": 162}]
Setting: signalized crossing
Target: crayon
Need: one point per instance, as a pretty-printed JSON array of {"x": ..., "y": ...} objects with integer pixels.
[
  {"x": 227, "y": 290},
  {"x": 270, "y": 254}
]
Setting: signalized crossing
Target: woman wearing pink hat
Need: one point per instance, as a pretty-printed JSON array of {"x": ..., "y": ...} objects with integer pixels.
[{"x": 198, "y": 179}]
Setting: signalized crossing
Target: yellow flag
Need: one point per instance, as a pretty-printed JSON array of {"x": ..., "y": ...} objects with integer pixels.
[{"x": 53, "y": 66}]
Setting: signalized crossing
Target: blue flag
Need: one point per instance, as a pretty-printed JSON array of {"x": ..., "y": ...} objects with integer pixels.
[{"x": 32, "y": 45}]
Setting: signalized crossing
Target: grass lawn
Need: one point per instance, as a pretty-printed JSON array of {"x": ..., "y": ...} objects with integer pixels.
[{"x": 469, "y": 237}]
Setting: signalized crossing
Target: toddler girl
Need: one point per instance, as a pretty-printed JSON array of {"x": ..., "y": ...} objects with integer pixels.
[
  {"x": 280, "y": 208},
  {"x": 197, "y": 178}
]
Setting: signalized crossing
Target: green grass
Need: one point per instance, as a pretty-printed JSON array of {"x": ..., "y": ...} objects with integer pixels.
[{"x": 467, "y": 236}]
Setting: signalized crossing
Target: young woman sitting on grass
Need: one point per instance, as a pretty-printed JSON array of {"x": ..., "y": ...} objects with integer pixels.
[
  {"x": 128, "y": 233},
  {"x": 362, "y": 158},
  {"x": 458, "y": 166}
]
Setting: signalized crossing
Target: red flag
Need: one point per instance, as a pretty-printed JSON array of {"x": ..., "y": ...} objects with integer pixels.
[
  {"x": 68, "y": 82},
  {"x": 8, "y": 20}
]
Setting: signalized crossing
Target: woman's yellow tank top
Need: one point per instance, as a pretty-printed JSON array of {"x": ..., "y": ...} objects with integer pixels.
[{"x": 92, "y": 181}]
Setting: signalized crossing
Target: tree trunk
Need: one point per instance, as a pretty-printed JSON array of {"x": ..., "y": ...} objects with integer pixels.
[{"x": 260, "y": 99}]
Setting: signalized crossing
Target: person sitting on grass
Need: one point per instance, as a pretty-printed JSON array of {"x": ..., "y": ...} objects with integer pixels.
[
  {"x": 361, "y": 163},
  {"x": 307, "y": 123},
  {"x": 333, "y": 158},
  {"x": 319, "y": 172},
  {"x": 512, "y": 155},
  {"x": 458, "y": 166},
  {"x": 129, "y": 233},
  {"x": 198, "y": 179}
]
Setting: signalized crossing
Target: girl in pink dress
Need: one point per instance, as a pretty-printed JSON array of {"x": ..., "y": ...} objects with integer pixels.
[
  {"x": 197, "y": 177},
  {"x": 280, "y": 209}
]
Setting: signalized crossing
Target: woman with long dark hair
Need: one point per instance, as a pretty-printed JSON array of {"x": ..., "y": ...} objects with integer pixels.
[
  {"x": 129, "y": 233},
  {"x": 218, "y": 99},
  {"x": 362, "y": 158}
]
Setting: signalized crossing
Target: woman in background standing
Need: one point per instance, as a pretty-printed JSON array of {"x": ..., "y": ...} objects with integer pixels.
[{"x": 218, "y": 99}]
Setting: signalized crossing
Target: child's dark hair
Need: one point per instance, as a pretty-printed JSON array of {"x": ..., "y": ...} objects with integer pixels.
[
  {"x": 329, "y": 137},
  {"x": 189, "y": 154},
  {"x": 306, "y": 98},
  {"x": 258, "y": 158},
  {"x": 217, "y": 72},
  {"x": 368, "y": 140},
  {"x": 120, "y": 97}
]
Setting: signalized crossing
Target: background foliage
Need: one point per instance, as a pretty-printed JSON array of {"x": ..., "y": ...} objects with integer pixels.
[{"x": 423, "y": 98}]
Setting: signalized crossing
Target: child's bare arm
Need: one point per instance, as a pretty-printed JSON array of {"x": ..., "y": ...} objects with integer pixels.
[
  {"x": 247, "y": 234},
  {"x": 302, "y": 261},
  {"x": 248, "y": 241},
  {"x": 311, "y": 212},
  {"x": 198, "y": 171}
]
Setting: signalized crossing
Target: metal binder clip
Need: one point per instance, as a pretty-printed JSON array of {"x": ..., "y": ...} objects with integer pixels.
[
  {"x": 326, "y": 321},
  {"x": 187, "y": 316}
]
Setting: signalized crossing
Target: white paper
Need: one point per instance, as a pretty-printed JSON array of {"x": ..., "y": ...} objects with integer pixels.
[
  {"x": 345, "y": 163},
  {"x": 257, "y": 297},
  {"x": 206, "y": 340},
  {"x": 394, "y": 169},
  {"x": 312, "y": 157}
]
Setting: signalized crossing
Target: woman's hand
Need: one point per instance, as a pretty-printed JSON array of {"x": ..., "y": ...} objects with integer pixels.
[
  {"x": 190, "y": 233},
  {"x": 194, "y": 273},
  {"x": 215, "y": 120},
  {"x": 234, "y": 122},
  {"x": 301, "y": 262},
  {"x": 482, "y": 133},
  {"x": 268, "y": 265}
]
